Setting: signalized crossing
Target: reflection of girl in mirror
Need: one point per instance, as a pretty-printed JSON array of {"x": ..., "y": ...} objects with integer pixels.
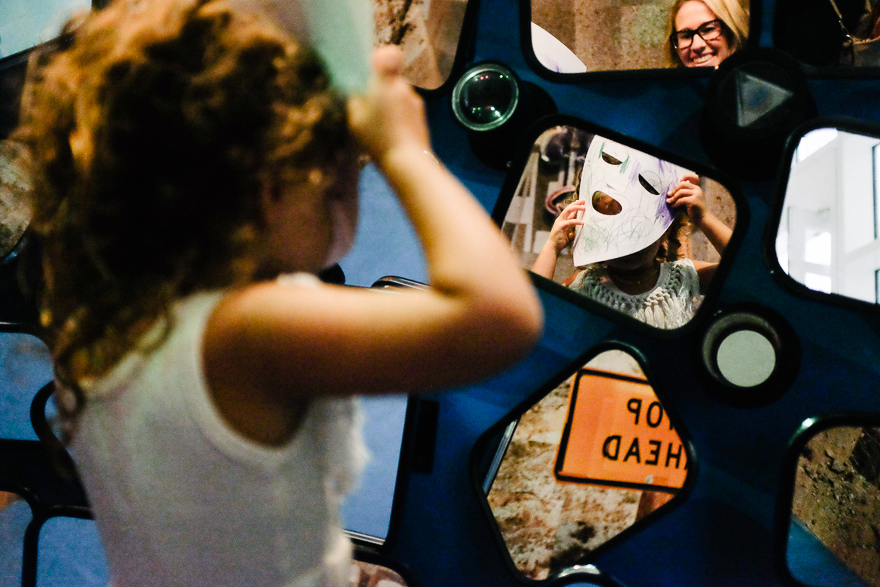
[
  {"x": 635, "y": 268},
  {"x": 193, "y": 172},
  {"x": 703, "y": 33}
]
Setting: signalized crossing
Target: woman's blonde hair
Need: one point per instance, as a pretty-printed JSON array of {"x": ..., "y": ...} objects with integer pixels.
[
  {"x": 734, "y": 19},
  {"x": 151, "y": 129}
]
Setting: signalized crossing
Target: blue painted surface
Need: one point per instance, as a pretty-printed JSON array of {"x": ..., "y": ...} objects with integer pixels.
[
  {"x": 25, "y": 367},
  {"x": 71, "y": 554},
  {"x": 13, "y": 521},
  {"x": 811, "y": 562}
]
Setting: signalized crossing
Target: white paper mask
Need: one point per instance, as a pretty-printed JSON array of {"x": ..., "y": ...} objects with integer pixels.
[{"x": 626, "y": 210}]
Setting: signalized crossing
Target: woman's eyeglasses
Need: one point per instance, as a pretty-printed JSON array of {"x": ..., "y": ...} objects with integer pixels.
[{"x": 708, "y": 31}]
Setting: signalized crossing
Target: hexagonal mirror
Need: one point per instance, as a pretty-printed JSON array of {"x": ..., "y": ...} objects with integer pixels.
[
  {"x": 834, "y": 531},
  {"x": 617, "y": 224},
  {"x": 579, "y": 37},
  {"x": 827, "y": 238},
  {"x": 581, "y": 466}
]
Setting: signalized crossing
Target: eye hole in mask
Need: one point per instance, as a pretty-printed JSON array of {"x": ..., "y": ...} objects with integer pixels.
[
  {"x": 650, "y": 188},
  {"x": 605, "y": 204},
  {"x": 611, "y": 160}
]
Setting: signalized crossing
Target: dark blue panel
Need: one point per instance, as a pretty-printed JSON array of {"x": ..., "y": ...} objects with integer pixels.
[{"x": 725, "y": 533}]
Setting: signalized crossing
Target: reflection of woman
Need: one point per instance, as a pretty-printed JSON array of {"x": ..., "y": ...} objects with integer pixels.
[{"x": 703, "y": 33}]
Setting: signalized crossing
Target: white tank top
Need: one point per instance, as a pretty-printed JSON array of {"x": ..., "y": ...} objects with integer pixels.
[
  {"x": 671, "y": 303},
  {"x": 181, "y": 499}
]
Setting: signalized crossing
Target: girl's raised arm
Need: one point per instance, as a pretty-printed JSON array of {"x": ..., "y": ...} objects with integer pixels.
[{"x": 269, "y": 347}]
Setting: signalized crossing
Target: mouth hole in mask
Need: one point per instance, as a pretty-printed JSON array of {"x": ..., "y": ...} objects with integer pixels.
[{"x": 605, "y": 204}]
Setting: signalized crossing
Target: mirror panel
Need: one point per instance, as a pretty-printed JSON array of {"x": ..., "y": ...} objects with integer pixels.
[
  {"x": 587, "y": 461},
  {"x": 834, "y": 535},
  {"x": 827, "y": 234},
  {"x": 596, "y": 35},
  {"x": 625, "y": 246},
  {"x": 427, "y": 31}
]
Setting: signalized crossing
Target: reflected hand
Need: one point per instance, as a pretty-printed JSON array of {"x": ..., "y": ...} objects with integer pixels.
[
  {"x": 389, "y": 115},
  {"x": 563, "y": 230},
  {"x": 689, "y": 194}
]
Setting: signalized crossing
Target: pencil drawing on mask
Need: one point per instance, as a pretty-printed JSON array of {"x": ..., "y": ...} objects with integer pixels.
[{"x": 625, "y": 190}]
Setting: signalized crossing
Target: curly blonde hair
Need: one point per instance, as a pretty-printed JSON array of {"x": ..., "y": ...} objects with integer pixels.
[
  {"x": 734, "y": 20},
  {"x": 151, "y": 129}
]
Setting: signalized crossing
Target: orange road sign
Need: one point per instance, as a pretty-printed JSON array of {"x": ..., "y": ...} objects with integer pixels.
[{"x": 618, "y": 433}]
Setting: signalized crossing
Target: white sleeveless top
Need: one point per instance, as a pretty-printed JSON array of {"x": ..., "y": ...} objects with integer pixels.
[
  {"x": 181, "y": 499},
  {"x": 671, "y": 303}
]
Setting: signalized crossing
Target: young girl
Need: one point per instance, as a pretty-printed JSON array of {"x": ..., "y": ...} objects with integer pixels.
[
  {"x": 619, "y": 188},
  {"x": 183, "y": 153}
]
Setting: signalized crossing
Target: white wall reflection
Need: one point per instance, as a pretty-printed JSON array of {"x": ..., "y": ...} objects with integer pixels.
[{"x": 827, "y": 237}]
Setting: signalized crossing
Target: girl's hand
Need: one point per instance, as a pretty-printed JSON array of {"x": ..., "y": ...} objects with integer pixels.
[
  {"x": 688, "y": 194},
  {"x": 563, "y": 230},
  {"x": 390, "y": 115}
]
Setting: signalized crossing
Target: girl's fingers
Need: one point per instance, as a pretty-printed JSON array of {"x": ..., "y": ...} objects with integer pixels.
[{"x": 388, "y": 60}]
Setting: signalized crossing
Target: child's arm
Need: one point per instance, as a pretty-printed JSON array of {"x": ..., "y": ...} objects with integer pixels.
[
  {"x": 269, "y": 348},
  {"x": 688, "y": 194},
  {"x": 560, "y": 235}
]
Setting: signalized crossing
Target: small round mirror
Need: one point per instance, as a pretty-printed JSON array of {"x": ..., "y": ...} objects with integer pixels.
[
  {"x": 485, "y": 97},
  {"x": 746, "y": 358}
]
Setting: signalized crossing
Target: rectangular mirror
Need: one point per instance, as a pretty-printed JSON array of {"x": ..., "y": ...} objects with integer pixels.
[
  {"x": 828, "y": 226},
  {"x": 598, "y": 35}
]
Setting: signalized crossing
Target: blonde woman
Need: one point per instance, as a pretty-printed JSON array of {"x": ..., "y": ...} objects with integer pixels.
[{"x": 703, "y": 33}]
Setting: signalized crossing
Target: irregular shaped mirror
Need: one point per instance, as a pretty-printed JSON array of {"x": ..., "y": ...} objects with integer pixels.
[
  {"x": 26, "y": 24},
  {"x": 586, "y": 462},
  {"x": 617, "y": 225},
  {"x": 597, "y": 35},
  {"x": 427, "y": 31},
  {"x": 834, "y": 534},
  {"x": 827, "y": 235}
]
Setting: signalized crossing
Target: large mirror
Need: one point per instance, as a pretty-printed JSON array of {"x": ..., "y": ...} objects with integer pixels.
[
  {"x": 569, "y": 36},
  {"x": 827, "y": 235},
  {"x": 586, "y": 462},
  {"x": 617, "y": 225},
  {"x": 834, "y": 533}
]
